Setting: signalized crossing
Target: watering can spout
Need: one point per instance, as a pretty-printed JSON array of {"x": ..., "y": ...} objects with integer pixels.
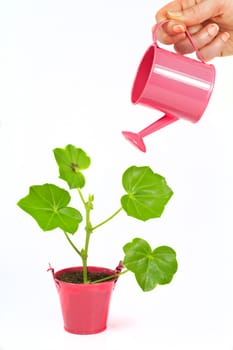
[{"x": 137, "y": 138}]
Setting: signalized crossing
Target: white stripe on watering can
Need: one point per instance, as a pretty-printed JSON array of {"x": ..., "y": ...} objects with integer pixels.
[{"x": 186, "y": 79}]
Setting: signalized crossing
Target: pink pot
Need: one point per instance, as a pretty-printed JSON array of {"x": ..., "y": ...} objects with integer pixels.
[{"x": 84, "y": 307}]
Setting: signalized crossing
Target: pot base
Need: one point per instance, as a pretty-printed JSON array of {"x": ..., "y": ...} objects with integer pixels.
[{"x": 85, "y": 332}]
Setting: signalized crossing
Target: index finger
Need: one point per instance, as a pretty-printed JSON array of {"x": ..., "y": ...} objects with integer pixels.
[
  {"x": 162, "y": 14},
  {"x": 167, "y": 34},
  {"x": 171, "y": 32}
]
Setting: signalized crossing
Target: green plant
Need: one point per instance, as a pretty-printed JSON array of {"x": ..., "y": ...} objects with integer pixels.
[{"x": 146, "y": 195}]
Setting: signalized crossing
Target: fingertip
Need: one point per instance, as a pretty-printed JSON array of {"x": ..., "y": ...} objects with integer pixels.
[
  {"x": 216, "y": 47},
  {"x": 179, "y": 28},
  {"x": 213, "y": 29},
  {"x": 175, "y": 27},
  {"x": 225, "y": 36},
  {"x": 177, "y": 15}
]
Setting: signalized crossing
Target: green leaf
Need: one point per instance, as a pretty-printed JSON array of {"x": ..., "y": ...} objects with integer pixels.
[
  {"x": 150, "y": 267},
  {"x": 71, "y": 161},
  {"x": 148, "y": 193},
  {"x": 47, "y": 204}
]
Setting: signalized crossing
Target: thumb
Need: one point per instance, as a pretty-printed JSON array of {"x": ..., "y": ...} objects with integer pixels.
[{"x": 196, "y": 14}]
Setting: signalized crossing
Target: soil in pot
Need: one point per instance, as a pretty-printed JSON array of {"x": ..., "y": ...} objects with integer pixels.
[{"x": 77, "y": 276}]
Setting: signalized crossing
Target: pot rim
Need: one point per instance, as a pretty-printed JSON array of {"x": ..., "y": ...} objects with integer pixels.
[{"x": 90, "y": 268}]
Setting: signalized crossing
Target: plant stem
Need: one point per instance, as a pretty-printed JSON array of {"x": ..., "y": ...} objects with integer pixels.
[
  {"x": 108, "y": 219},
  {"x": 88, "y": 206},
  {"x": 116, "y": 275},
  {"x": 72, "y": 244},
  {"x": 88, "y": 229},
  {"x": 81, "y": 196}
]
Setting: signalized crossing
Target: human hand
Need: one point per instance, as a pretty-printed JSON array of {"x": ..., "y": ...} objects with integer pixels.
[{"x": 210, "y": 22}]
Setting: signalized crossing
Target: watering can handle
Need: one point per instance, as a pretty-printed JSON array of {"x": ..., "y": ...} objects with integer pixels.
[{"x": 160, "y": 24}]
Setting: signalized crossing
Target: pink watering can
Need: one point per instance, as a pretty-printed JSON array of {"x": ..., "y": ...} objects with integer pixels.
[{"x": 176, "y": 85}]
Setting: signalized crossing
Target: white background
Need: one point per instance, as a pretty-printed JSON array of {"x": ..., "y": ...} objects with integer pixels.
[{"x": 66, "y": 71}]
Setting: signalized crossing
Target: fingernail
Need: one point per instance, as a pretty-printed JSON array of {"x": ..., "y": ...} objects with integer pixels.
[
  {"x": 175, "y": 14},
  {"x": 225, "y": 36},
  {"x": 178, "y": 28},
  {"x": 213, "y": 29}
]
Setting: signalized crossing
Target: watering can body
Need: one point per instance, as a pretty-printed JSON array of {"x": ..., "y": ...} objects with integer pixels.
[{"x": 176, "y": 85}]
